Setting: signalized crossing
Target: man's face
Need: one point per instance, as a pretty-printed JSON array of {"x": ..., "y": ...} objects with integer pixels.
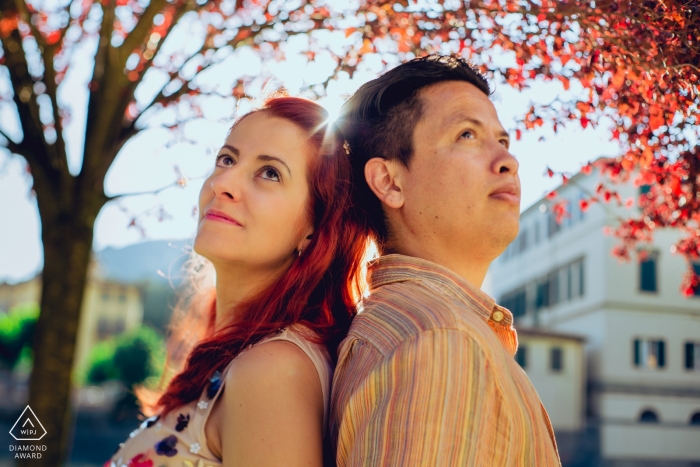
[{"x": 462, "y": 190}]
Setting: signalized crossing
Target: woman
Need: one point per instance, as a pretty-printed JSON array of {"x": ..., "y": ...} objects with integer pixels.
[{"x": 277, "y": 226}]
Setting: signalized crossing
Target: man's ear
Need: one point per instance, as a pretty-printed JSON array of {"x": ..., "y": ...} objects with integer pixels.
[{"x": 383, "y": 178}]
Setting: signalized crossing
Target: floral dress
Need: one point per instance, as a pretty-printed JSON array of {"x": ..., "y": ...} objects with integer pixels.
[{"x": 178, "y": 439}]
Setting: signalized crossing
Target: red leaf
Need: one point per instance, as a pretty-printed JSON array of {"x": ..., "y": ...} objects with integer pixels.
[
  {"x": 584, "y": 122},
  {"x": 518, "y": 135},
  {"x": 552, "y": 194}
]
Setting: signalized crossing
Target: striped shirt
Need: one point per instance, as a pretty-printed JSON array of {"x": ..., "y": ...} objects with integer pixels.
[{"x": 426, "y": 377}]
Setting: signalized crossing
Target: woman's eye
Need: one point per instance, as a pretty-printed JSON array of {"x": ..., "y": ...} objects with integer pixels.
[
  {"x": 505, "y": 143},
  {"x": 467, "y": 134},
  {"x": 224, "y": 160},
  {"x": 270, "y": 173}
]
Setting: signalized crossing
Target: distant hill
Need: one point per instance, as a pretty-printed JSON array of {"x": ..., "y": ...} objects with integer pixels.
[
  {"x": 141, "y": 262},
  {"x": 152, "y": 266}
]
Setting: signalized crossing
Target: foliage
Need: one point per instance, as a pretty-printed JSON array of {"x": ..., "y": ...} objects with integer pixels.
[
  {"x": 100, "y": 366},
  {"x": 638, "y": 64},
  {"x": 16, "y": 333},
  {"x": 636, "y": 61},
  {"x": 131, "y": 358}
]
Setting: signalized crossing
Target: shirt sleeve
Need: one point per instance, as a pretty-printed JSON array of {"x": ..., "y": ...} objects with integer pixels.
[{"x": 427, "y": 403}]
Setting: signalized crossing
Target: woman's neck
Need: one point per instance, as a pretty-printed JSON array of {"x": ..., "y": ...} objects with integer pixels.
[{"x": 237, "y": 284}]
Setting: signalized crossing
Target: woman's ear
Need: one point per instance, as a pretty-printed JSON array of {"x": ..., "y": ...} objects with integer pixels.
[
  {"x": 305, "y": 241},
  {"x": 383, "y": 178}
]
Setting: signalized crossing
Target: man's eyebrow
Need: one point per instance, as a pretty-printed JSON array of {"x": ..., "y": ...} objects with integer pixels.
[
  {"x": 264, "y": 157},
  {"x": 460, "y": 118}
]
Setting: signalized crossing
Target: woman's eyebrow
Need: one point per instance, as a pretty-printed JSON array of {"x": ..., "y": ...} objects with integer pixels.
[
  {"x": 267, "y": 158},
  {"x": 232, "y": 149}
]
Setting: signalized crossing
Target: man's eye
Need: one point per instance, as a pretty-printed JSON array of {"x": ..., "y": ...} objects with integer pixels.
[
  {"x": 505, "y": 143},
  {"x": 224, "y": 160},
  {"x": 467, "y": 135},
  {"x": 270, "y": 173}
]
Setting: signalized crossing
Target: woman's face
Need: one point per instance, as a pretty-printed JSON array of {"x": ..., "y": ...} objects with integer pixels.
[{"x": 253, "y": 210}]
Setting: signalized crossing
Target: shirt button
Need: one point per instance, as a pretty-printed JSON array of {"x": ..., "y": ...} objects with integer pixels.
[{"x": 497, "y": 316}]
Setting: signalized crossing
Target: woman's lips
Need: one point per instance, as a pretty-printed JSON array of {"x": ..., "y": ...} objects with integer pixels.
[{"x": 221, "y": 217}]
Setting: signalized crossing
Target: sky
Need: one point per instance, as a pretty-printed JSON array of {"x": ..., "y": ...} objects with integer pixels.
[{"x": 148, "y": 161}]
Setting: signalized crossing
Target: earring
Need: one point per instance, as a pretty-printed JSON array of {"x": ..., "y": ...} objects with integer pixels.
[{"x": 299, "y": 252}]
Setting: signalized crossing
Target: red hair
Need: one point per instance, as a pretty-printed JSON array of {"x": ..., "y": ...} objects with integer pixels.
[{"x": 319, "y": 290}]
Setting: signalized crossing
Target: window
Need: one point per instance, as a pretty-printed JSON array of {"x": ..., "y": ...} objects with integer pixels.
[
  {"x": 692, "y": 356},
  {"x": 695, "y": 419},
  {"x": 647, "y": 272},
  {"x": 537, "y": 232},
  {"x": 553, "y": 279},
  {"x": 521, "y": 356},
  {"x": 579, "y": 279},
  {"x": 515, "y": 302},
  {"x": 696, "y": 269},
  {"x": 649, "y": 416},
  {"x": 580, "y": 213},
  {"x": 118, "y": 326},
  {"x": 575, "y": 279},
  {"x": 649, "y": 353},
  {"x": 542, "y": 300},
  {"x": 522, "y": 238},
  {"x": 553, "y": 225},
  {"x": 556, "y": 359},
  {"x": 105, "y": 295}
]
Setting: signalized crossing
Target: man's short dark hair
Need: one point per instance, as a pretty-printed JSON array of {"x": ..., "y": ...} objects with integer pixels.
[{"x": 379, "y": 119}]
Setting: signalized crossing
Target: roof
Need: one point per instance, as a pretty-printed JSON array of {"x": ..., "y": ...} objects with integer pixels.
[{"x": 539, "y": 332}]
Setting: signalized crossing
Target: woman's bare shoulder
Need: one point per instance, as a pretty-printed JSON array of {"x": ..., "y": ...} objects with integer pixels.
[
  {"x": 274, "y": 361},
  {"x": 272, "y": 407}
]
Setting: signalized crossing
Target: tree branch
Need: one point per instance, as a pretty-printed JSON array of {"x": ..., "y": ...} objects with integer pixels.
[
  {"x": 140, "y": 31},
  {"x": 11, "y": 145},
  {"x": 34, "y": 146},
  {"x": 147, "y": 192}
]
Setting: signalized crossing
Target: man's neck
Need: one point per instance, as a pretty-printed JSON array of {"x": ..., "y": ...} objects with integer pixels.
[{"x": 470, "y": 268}]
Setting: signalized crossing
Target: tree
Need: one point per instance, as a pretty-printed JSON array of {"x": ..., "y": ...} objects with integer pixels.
[
  {"x": 134, "y": 358},
  {"x": 637, "y": 62}
]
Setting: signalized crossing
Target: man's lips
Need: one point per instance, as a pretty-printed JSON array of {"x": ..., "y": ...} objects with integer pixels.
[
  {"x": 219, "y": 216},
  {"x": 509, "y": 193}
]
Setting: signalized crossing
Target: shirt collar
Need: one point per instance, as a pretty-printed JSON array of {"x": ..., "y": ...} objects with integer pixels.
[{"x": 400, "y": 268}]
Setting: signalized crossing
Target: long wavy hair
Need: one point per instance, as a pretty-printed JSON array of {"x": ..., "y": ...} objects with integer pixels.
[{"x": 319, "y": 290}]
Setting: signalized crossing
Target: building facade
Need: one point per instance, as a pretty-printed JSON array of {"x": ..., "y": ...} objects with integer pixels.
[
  {"x": 642, "y": 336},
  {"x": 109, "y": 308}
]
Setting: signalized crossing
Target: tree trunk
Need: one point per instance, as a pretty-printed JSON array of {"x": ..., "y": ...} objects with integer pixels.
[{"x": 67, "y": 239}]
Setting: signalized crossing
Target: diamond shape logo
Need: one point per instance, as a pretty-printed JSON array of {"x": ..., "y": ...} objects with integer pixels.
[{"x": 28, "y": 427}]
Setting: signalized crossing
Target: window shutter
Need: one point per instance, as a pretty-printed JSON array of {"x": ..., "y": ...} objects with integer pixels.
[
  {"x": 662, "y": 354},
  {"x": 689, "y": 348},
  {"x": 637, "y": 352}
]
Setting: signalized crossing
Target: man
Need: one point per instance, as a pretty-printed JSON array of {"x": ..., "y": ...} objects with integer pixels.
[{"x": 426, "y": 376}]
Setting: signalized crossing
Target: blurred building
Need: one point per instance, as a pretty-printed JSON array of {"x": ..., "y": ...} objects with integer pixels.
[
  {"x": 642, "y": 336},
  {"x": 109, "y": 308}
]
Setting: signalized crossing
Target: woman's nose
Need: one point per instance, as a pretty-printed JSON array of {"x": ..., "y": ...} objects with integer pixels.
[{"x": 227, "y": 184}]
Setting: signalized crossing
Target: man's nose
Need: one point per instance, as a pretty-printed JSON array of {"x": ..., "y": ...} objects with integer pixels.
[{"x": 503, "y": 160}]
